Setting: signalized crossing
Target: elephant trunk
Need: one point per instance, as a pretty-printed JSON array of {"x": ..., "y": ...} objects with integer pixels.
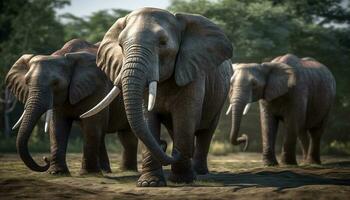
[
  {"x": 238, "y": 105},
  {"x": 35, "y": 107},
  {"x": 133, "y": 86}
]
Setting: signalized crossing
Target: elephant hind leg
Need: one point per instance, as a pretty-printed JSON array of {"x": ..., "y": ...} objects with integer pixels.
[
  {"x": 313, "y": 156},
  {"x": 304, "y": 143}
]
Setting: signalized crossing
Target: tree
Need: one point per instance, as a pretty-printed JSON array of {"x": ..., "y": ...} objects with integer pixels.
[
  {"x": 263, "y": 29},
  {"x": 27, "y": 26},
  {"x": 94, "y": 27}
]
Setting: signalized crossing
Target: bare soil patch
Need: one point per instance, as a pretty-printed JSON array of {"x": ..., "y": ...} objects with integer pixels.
[{"x": 235, "y": 176}]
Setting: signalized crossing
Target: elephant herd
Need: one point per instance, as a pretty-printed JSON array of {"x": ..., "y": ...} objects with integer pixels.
[{"x": 156, "y": 68}]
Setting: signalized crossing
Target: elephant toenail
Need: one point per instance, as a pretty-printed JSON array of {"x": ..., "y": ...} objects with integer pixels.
[
  {"x": 153, "y": 184},
  {"x": 139, "y": 183},
  {"x": 145, "y": 184}
]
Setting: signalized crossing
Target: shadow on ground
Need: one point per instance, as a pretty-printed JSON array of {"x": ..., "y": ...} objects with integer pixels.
[{"x": 238, "y": 176}]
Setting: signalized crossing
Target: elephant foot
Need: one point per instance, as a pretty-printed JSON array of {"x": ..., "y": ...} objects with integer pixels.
[
  {"x": 200, "y": 168},
  {"x": 152, "y": 179},
  {"x": 56, "y": 170},
  {"x": 106, "y": 170},
  {"x": 312, "y": 161},
  {"x": 288, "y": 160},
  {"x": 84, "y": 171},
  {"x": 270, "y": 162},
  {"x": 187, "y": 177}
]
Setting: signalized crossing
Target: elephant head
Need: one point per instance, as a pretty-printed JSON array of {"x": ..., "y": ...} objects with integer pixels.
[
  {"x": 150, "y": 46},
  {"x": 252, "y": 82},
  {"x": 43, "y": 82}
]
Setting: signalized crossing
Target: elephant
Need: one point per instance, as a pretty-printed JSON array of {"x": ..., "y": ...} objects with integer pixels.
[
  {"x": 68, "y": 82},
  {"x": 297, "y": 92},
  {"x": 184, "y": 59}
]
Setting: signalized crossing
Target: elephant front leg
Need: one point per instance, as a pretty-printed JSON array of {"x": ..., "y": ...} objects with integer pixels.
[
  {"x": 183, "y": 128},
  {"x": 288, "y": 156},
  {"x": 269, "y": 126},
  {"x": 129, "y": 143},
  {"x": 59, "y": 129},
  {"x": 92, "y": 139},
  {"x": 151, "y": 171},
  {"x": 104, "y": 160},
  {"x": 313, "y": 156},
  {"x": 203, "y": 139}
]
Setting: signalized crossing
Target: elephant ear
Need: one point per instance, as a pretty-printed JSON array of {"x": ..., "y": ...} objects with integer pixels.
[
  {"x": 203, "y": 47},
  {"x": 109, "y": 54},
  {"x": 83, "y": 82},
  {"x": 15, "y": 78},
  {"x": 280, "y": 78}
]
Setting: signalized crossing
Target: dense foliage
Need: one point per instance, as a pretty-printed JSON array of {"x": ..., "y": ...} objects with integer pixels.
[{"x": 259, "y": 30}]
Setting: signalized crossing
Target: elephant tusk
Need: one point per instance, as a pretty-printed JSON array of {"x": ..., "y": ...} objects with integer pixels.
[
  {"x": 104, "y": 103},
  {"x": 232, "y": 78},
  {"x": 229, "y": 109},
  {"x": 234, "y": 66},
  {"x": 152, "y": 95},
  {"x": 47, "y": 120},
  {"x": 19, "y": 121},
  {"x": 246, "y": 109}
]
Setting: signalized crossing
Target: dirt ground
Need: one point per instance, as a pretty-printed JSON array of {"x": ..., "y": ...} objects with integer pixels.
[{"x": 235, "y": 176}]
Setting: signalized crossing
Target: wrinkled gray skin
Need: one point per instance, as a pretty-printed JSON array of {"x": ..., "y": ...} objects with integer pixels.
[
  {"x": 185, "y": 54},
  {"x": 69, "y": 82},
  {"x": 298, "y": 92}
]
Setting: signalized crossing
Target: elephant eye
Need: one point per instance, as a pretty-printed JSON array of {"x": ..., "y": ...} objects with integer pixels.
[
  {"x": 163, "y": 42},
  {"x": 55, "y": 82}
]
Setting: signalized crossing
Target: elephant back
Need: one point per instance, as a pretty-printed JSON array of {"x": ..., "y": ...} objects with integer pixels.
[
  {"x": 289, "y": 59},
  {"x": 76, "y": 45}
]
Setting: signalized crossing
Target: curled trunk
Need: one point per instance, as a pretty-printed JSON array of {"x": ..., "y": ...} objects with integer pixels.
[
  {"x": 237, "y": 112},
  {"x": 34, "y": 109},
  {"x": 133, "y": 87}
]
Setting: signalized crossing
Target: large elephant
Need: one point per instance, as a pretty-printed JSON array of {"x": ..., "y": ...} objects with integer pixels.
[
  {"x": 69, "y": 82},
  {"x": 187, "y": 57},
  {"x": 298, "y": 92}
]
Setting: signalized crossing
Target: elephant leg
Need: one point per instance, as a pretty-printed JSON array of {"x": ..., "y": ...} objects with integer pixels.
[
  {"x": 304, "y": 143},
  {"x": 151, "y": 171},
  {"x": 183, "y": 133},
  {"x": 202, "y": 142},
  {"x": 203, "y": 139},
  {"x": 129, "y": 142},
  {"x": 59, "y": 129},
  {"x": 313, "y": 156},
  {"x": 288, "y": 156},
  {"x": 104, "y": 160},
  {"x": 92, "y": 139},
  {"x": 269, "y": 126}
]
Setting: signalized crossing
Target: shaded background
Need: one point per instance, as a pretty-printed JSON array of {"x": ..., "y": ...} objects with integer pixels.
[{"x": 259, "y": 30}]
